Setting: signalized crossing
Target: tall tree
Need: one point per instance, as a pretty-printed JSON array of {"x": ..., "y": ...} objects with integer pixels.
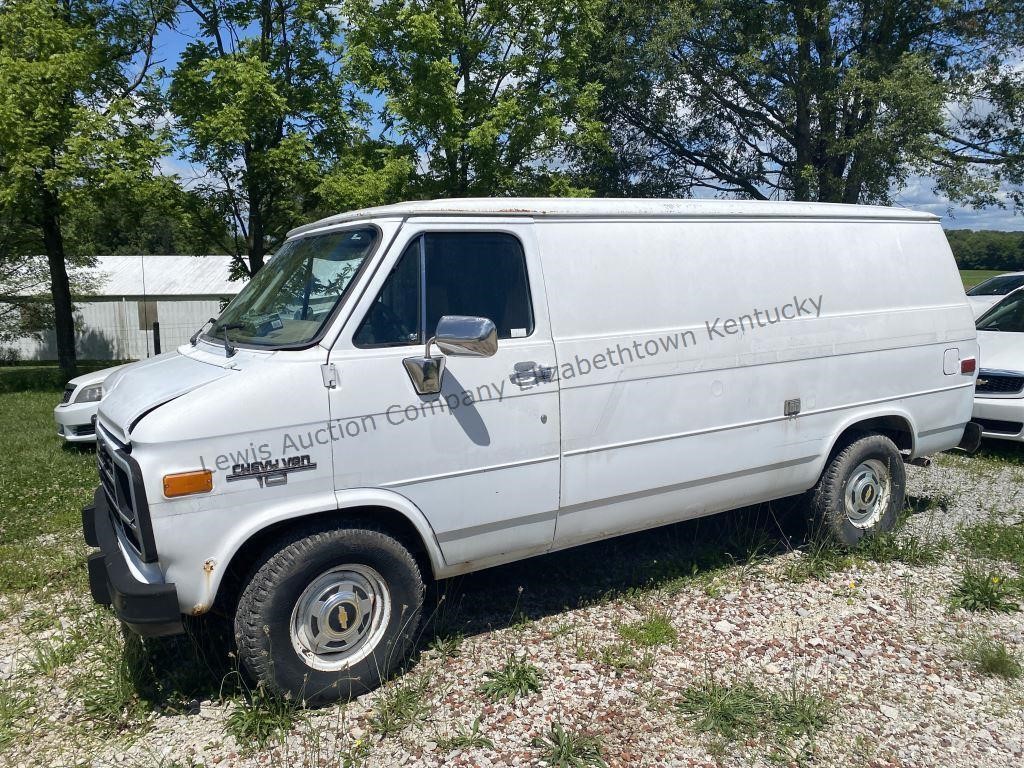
[
  {"x": 74, "y": 85},
  {"x": 489, "y": 94},
  {"x": 830, "y": 100},
  {"x": 264, "y": 106}
]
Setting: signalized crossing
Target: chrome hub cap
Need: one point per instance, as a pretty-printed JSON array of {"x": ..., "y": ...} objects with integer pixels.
[
  {"x": 867, "y": 493},
  {"x": 340, "y": 617}
]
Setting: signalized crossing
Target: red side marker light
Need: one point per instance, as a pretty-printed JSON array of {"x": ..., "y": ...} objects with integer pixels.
[{"x": 968, "y": 365}]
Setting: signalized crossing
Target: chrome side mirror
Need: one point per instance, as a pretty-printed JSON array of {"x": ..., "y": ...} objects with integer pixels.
[
  {"x": 456, "y": 335},
  {"x": 466, "y": 336}
]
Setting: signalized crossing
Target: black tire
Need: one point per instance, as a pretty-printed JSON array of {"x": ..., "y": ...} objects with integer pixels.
[
  {"x": 264, "y": 615},
  {"x": 829, "y": 512}
]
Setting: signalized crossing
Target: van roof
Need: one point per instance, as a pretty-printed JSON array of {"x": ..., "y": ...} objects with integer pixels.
[{"x": 597, "y": 207}]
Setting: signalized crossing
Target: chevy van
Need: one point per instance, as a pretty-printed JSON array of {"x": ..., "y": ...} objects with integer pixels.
[{"x": 420, "y": 390}]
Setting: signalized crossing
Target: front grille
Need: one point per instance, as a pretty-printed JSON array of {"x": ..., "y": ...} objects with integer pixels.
[
  {"x": 68, "y": 392},
  {"x": 117, "y": 485},
  {"x": 999, "y": 383},
  {"x": 995, "y": 426}
]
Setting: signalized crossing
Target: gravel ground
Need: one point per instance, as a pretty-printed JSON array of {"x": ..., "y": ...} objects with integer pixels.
[{"x": 879, "y": 643}]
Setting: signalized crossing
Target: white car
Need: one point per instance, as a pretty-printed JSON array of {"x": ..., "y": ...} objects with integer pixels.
[
  {"x": 999, "y": 391},
  {"x": 987, "y": 294},
  {"x": 78, "y": 405}
]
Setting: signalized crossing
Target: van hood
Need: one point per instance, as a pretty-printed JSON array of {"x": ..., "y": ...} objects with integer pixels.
[
  {"x": 1001, "y": 350},
  {"x": 140, "y": 387}
]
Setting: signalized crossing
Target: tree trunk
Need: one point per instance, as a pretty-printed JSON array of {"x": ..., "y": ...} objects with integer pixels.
[{"x": 60, "y": 286}]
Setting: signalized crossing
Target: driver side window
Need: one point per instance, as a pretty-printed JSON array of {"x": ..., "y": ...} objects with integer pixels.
[{"x": 481, "y": 274}]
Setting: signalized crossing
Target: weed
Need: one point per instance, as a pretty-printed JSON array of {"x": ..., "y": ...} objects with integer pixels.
[
  {"x": 50, "y": 655},
  {"x": 446, "y": 645},
  {"x": 12, "y": 707},
  {"x": 982, "y": 590},
  {"x": 656, "y": 629},
  {"x": 996, "y": 541},
  {"x": 401, "y": 706},
  {"x": 516, "y": 678},
  {"x": 622, "y": 656},
  {"x": 726, "y": 710},
  {"x": 260, "y": 718},
  {"x": 889, "y": 547},
  {"x": 819, "y": 560},
  {"x": 465, "y": 738},
  {"x": 110, "y": 692},
  {"x": 742, "y": 710},
  {"x": 565, "y": 749},
  {"x": 991, "y": 657}
]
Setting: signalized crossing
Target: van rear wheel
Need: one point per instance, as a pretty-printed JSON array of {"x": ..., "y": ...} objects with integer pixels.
[
  {"x": 329, "y": 615},
  {"x": 861, "y": 491}
]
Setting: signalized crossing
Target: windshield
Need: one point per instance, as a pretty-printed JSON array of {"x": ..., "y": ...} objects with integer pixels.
[
  {"x": 997, "y": 286},
  {"x": 1007, "y": 315},
  {"x": 288, "y": 302}
]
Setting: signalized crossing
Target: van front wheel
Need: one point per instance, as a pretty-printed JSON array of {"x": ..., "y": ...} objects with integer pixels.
[
  {"x": 861, "y": 491},
  {"x": 330, "y": 614}
]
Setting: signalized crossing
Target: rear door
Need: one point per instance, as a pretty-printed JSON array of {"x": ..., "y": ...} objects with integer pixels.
[{"x": 480, "y": 459}]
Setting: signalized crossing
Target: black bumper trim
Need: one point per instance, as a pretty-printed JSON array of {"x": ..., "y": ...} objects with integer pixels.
[{"x": 150, "y": 610}]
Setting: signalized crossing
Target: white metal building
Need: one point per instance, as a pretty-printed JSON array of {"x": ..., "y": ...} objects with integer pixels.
[{"x": 115, "y": 322}]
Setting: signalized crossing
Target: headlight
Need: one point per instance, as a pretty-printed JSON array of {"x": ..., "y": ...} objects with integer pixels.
[{"x": 90, "y": 394}]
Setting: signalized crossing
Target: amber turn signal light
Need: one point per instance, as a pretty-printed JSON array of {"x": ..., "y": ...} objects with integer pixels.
[{"x": 184, "y": 483}]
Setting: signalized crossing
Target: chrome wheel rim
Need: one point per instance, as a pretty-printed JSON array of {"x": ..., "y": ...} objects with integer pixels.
[
  {"x": 340, "y": 617},
  {"x": 867, "y": 493}
]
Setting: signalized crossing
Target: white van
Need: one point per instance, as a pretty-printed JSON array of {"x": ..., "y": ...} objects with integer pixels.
[{"x": 426, "y": 389}]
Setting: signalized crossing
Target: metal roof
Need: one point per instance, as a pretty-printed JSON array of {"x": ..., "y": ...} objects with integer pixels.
[
  {"x": 117, "y": 276},
  {"x": 619, "y": 208}
]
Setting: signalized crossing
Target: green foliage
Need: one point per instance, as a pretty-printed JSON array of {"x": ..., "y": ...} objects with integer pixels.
[
  {"x": 986, "y": 249},
  {"x": 835, "y": 101},
  {"x": 996, "y": 541},
  {"x": 400, "y": 706},
  {"x": 13, "y": 705},
  {"x": 465, "y": 738},
  {"x": 570, "y": 749},
  {"x": 260, "y": 718},
  {"x": 517, "y": 677},
  {"x": 488, "y": 95},
  {"x": 265, "y": 106},
  {"x": 983, "y": 590},
  {"x": 991, "y": 657},
  {"x": 743, "y": 710},
  {"x": 656, "y": 629}
]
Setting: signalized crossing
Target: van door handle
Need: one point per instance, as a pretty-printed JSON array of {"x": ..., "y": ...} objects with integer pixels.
[{"x": 529, "y": 372}]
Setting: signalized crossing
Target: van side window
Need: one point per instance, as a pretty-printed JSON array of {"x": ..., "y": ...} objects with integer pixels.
[
  {"x": 466, "y": 273},
  {"x": 394, "y": 318},
  {"x": 482, "y": 274}
]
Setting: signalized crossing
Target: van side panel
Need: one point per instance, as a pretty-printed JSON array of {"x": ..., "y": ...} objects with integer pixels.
[{"x": 679, "y": 344}]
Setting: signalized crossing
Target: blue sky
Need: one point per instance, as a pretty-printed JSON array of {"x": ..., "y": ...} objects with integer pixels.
[{"x": 918, "y": 193}]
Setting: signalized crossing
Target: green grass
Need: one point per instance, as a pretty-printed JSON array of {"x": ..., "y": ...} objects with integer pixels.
[
  {"x": 656, "y": 629},
  {"x": 400, "y": 706},
  {"x": 260, "y": 719},
  {"x": 971, "y": 277},
  {"x": 996, "y": 541},
  {"x": 43, "y": 488},
  {"x": 560, "y": 748},
  {"x": 742, "y": 710},
  {"x": 983, "y": 590},
  {"x": 464, "y": 738},
  {"x": 13, "y": 705},
  {"x": 991, "y": 657},
  {"x": 517, "y": 677}
]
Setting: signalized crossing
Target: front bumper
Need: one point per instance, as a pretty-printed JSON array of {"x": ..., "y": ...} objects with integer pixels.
[
  {"x": 150, "y": 610},
  {"x": 1000, "y": 417},
  {"x": 74, "y": 422}
]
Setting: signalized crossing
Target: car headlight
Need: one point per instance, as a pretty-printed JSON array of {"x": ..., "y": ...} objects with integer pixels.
[{"x": 90, "y": 394}]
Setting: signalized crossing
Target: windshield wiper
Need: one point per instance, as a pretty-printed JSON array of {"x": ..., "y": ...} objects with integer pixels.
[
  {"x": 229, "y": 350},
  {"x": 195, "y": 336}
]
